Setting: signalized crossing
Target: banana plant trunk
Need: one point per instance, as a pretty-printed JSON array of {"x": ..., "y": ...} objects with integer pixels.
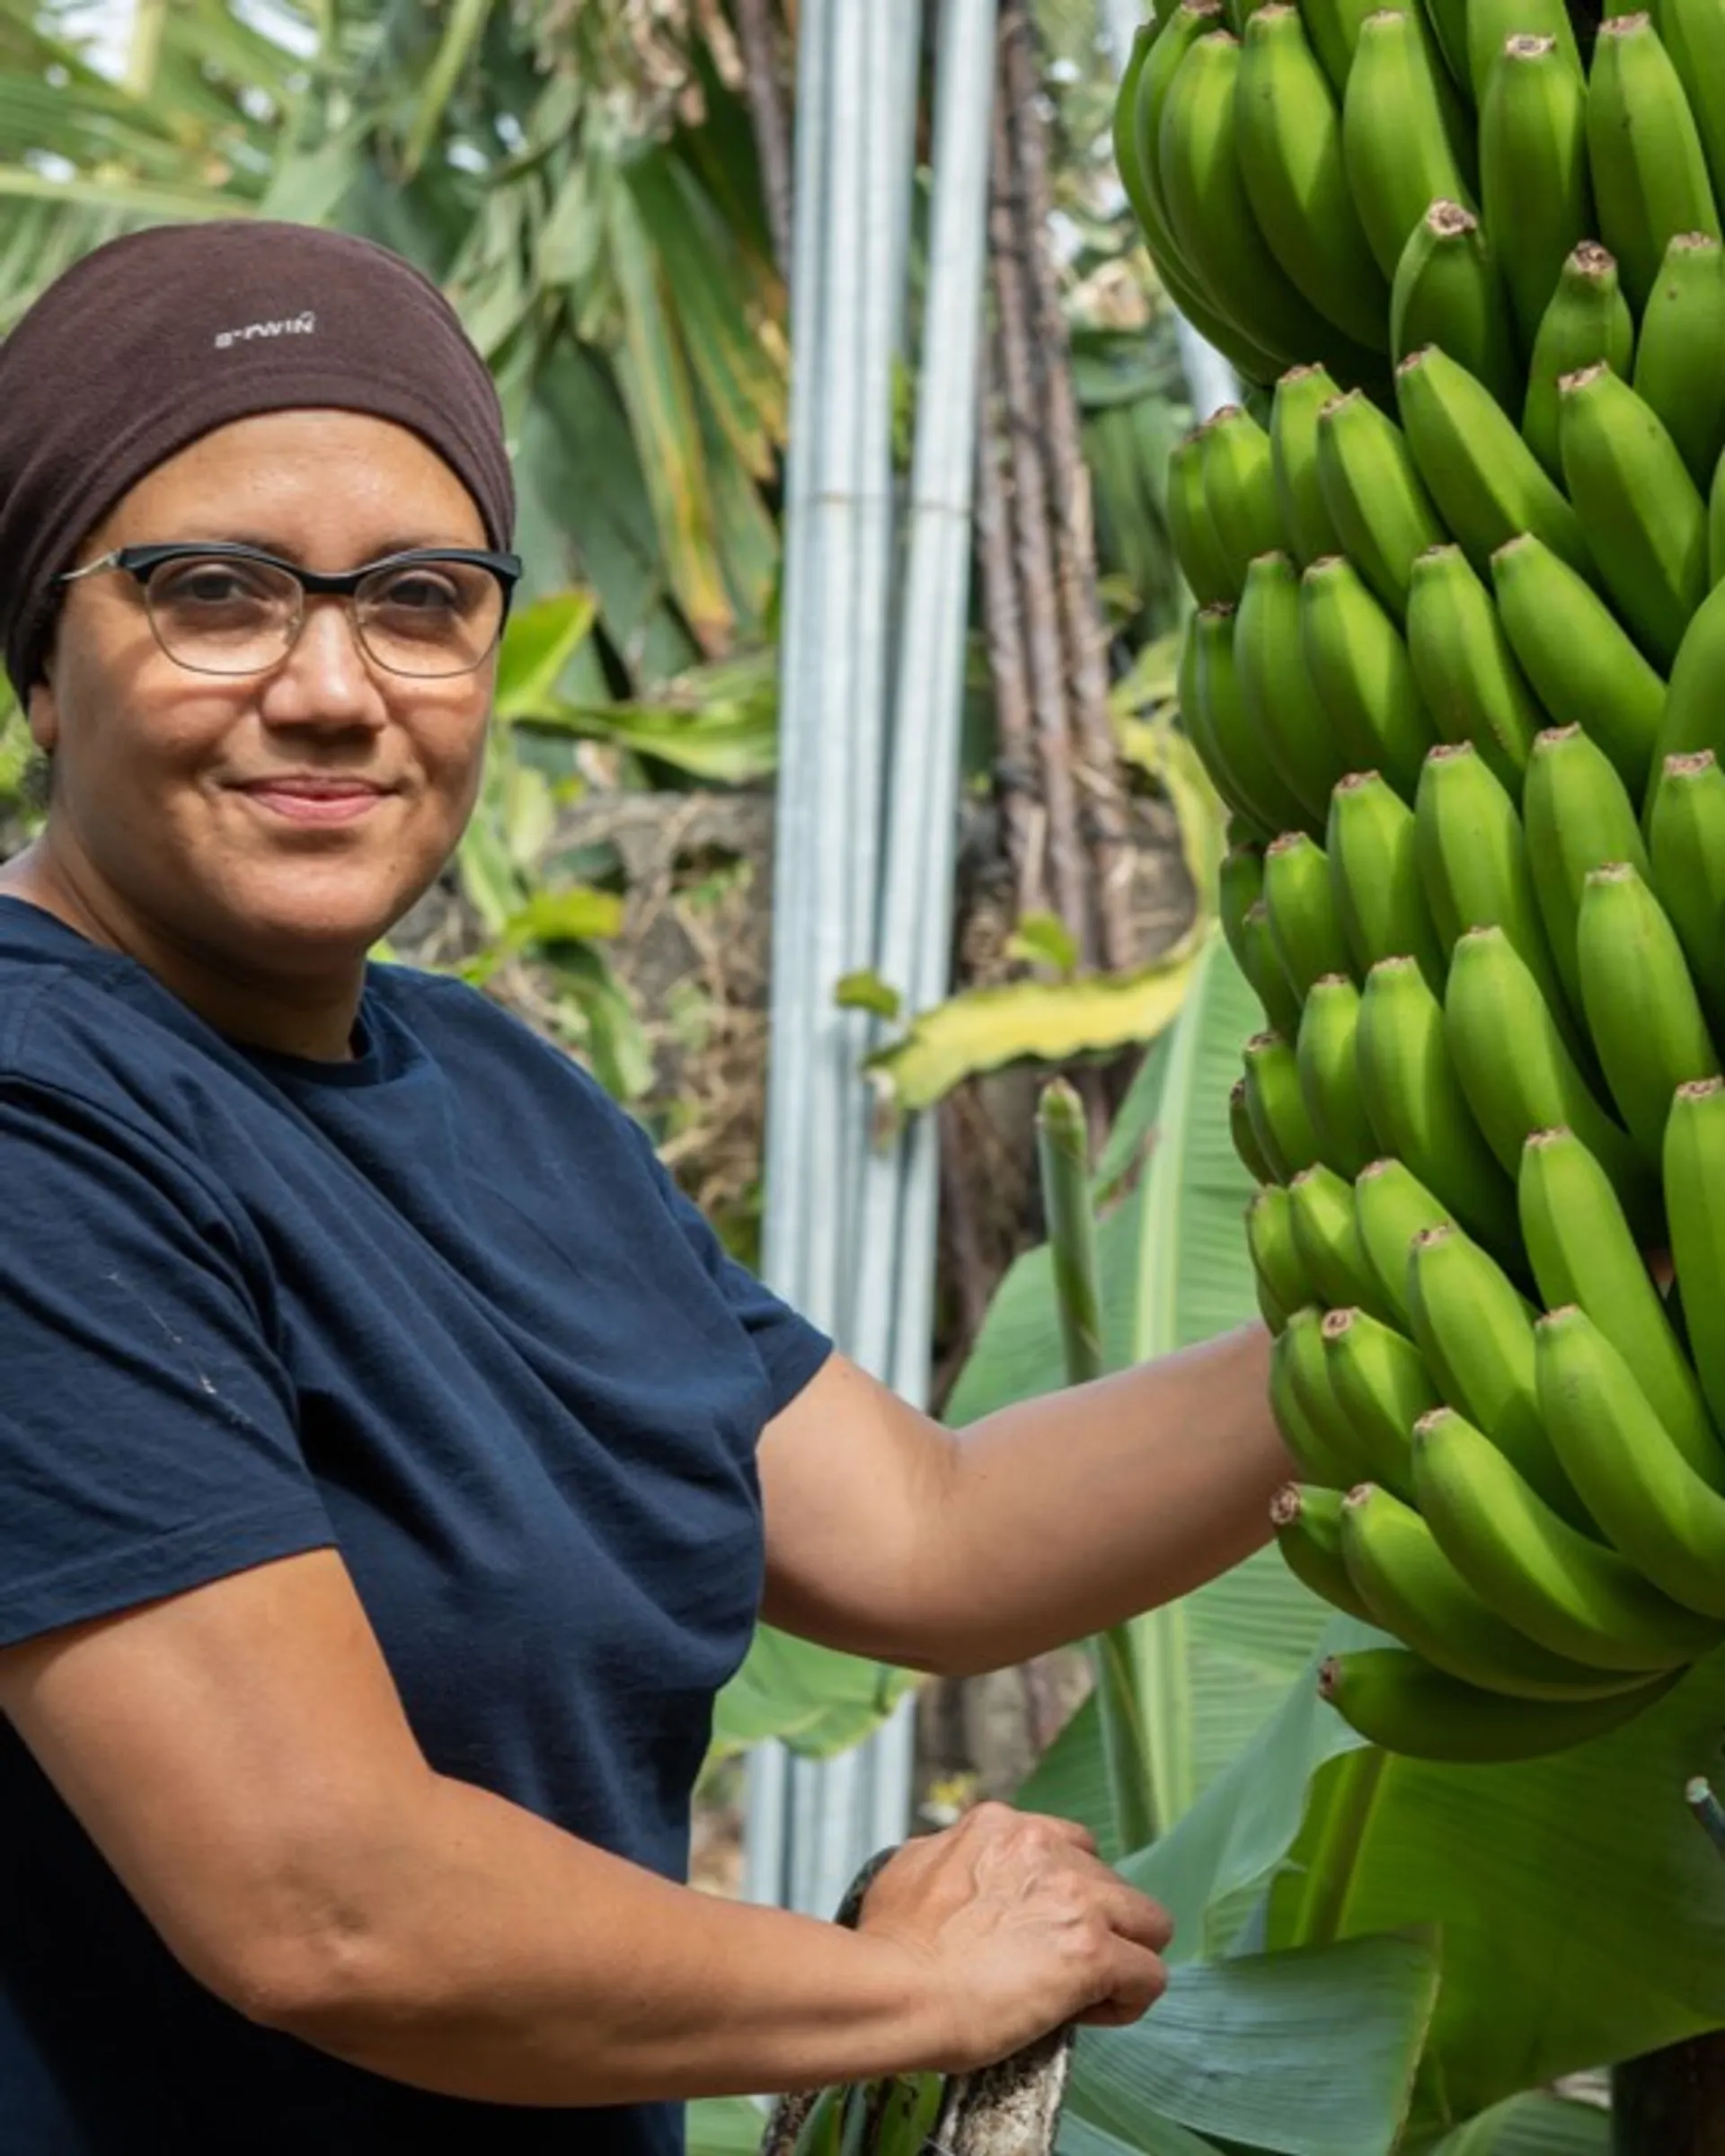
[{"x": 1671, "y": 2103}]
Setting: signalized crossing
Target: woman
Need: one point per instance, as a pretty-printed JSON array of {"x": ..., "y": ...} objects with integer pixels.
[{"x": 391, "y": 1464}]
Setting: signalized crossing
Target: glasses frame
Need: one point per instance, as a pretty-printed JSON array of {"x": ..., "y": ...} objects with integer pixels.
[{"x": 141, "y": 563}]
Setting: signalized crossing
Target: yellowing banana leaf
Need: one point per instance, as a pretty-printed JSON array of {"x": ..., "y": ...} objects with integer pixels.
[
  {"x": 814, "y": 1701},
  {"x": 538, "y": 644},
  {"x": 1046, "y": 1022}
]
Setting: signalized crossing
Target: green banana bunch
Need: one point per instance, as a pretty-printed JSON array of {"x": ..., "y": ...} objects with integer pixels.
[
  {"x": 1307, "y": 1520},
  {"x": 1399, "y": 150},
  {"x": 1390, "y": 1208},
  {"x": 1466, "y": 674},
  {"x": 1690, "y": 30},
  {"x": 1414, "y": 1591},
  {"x": 1641, "y": 1006},
  {"x": 1264, "y": 969},
  {"x": 1288, "y": 131},
  {"x": 1565, "y": 1591},
  {"x": 1270, "y": 1239},
  {"x": 1694, "y": 717},
  {"x": 1687, "y": 840},
  {"x": 1376, "y": 500},
  {"x": 1650, "y": 176},
  {"x": 1304, "y": 922},
  {"x": 1415, "y": 1101},
  {"x": 1584, "y": 669},
  {"x": 1357, "y": 662},
  {"x": 1380, "y": 1383},
  {"x": 1275, "y": 692},
  {"x": 1476, "y": 1333},
  {"x": 1225, "y": 737},
  {"x": 1694, "y": 1200},
  {"x": 1488, "y": 484},
  {"x": 1647, "y": 1498},
  {"x": 1449, "y": 292},
  {"x": 1473, "y": 862},
  {"x": 1374, "y": 862},
  {"x": 1676, "y": 367},
  {"x": 1534, "y": 170},
  {"x": 1578, "y": 815},
  {"x": 1587, "y": 320},
  {"x": 1518, "y": 1076},
  {"x": 1627, "y": 477},
  {"x": 1301, "y": 394},
  {"x": 1329, "y": 1071},
  {"x": 1197, "y": 548},
  {"x": 1277, "y": 1111},
  {"x": 1326, "y": 1243},
  {"x": 1394, "y": 1700},
  {"x": 1582, "y": 1253},
  {"x": 1239, "y": 491},
  {"x": 1251, "y": 1156}
]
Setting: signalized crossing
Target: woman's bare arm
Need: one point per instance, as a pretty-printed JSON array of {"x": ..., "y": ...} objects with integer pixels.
[{"x": 239, "y": 1756}]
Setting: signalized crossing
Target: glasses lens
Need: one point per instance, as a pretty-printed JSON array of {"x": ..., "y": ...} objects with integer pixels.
[
  {"x": 431, "y": 617},
  {"x": 219, "y": 616}
]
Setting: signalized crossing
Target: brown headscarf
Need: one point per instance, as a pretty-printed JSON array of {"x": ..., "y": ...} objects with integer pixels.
[{"x": 157, "y": 338}]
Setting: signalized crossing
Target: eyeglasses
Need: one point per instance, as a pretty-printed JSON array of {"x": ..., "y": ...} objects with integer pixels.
[{"x": 220, "y": 608}]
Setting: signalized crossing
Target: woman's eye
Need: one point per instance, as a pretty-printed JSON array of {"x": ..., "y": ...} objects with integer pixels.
[
  {"x": 210, "y": 584},
  {"x": 418, "y": 593}
]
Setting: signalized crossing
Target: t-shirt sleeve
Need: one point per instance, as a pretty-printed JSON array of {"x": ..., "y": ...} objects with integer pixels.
[{"x": 149, "y": 1437}]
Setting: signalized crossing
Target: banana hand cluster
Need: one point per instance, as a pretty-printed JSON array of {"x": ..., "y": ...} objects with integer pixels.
[{"x": 1457, "y": 668}]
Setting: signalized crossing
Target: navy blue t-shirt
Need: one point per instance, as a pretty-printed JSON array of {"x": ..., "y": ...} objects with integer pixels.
[{"x": 439, "y": 1306}]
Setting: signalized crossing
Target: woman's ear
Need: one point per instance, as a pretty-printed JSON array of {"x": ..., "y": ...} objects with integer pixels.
[{"x": 42, "y": 712}]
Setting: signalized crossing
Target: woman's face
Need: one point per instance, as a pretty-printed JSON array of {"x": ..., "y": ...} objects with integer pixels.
[{"x": 161, "y": 822}]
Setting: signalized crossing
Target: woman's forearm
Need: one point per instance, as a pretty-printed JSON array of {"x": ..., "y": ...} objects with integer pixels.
[
  {"x": 492, "y": 1957},
  {"x": 1072, "y": 1512}
]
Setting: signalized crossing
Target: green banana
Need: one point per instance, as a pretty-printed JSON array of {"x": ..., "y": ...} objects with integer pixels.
[
  {"x": 1307, "y": 1520},
  {"x": 1238, "y": 489},
  {"x": 1380, "y": 1383},
  {"x": 1578, "y": 815},
  {"x": 1649, "y": 174},
  {"x": 1376, "y": 502},
  {"x": 1413, "y": 1590},
  {"x": 1648, "y": 1499},
  {"x": 1250, "y": 1154},
  {"x": 1414, "y": 1099},
  {"x": 1311, "y": 1441},
  {"x": 1627, "y": 477},
  {"x": 1690, "y": 30},
  {"x": 1197, "y": 548},
  {"x": 1390, "y": 1208},
  {"x": 1330, "y": 1074},
  {"x": 1687, "y": 840},
  {"x": 1449, "y": 292},
  {"x": 1264, "y": 969},
  {"x": 822, "y": 2131},
  {"x": 1518, "y": 1076},
  {"x": 1213, "y": 222},
  {"x": 1474, "y": 860},
  {"x": 1582, "y": 1252},
  {"x": 1357, "y": 662},
  {"x": 1288, "y": 132},
  {"x": 1716, "y": 526},
  {"x": 1280, "y": 704},
  {"x": 1587, "y": 320},
  {"x": 1305, "y": 924},
  {"x": 1694, "y": 717},
  {"x": 909, "y": 2113},
  {"x": 1273, "y": 1101},
  {"x": 1447, "y": 21},
  {"x": 1399, "y": 152},
  {"x": 1400, "y": 1703},
  {"x": 1676, "y": 367},
  {"x": 1533, "y": 170},
  {"x": 1373, "y": 861},
  {"x": 1270, "y": 1239},
  {"x": 1563, "y": 1589},
  {"x": 1491, "y": 24},
  {"x": 1476, "y": 1332},
  {"x": 1244, "y": 772},
  {"x": 1468, "y": 677},
  {"x": 1326, "y": 1242},
  {"x": 1333, "y": 27},
  {"x": 1240, "y": 884},
  {"x": 1642, "y": 1005},
  {"x": 1695, "y": 1199},
  {"x": 1486, "y": 481},
  {"x": 1301, "y": 394},
  {"x": 1583, "y": 667}
]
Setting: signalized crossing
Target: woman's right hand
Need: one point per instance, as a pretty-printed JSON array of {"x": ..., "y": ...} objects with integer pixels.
[{"x": 1014, "y": 1926}]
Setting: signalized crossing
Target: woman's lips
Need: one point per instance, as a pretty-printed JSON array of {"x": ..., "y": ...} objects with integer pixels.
[{"x": 307, "y": 806}]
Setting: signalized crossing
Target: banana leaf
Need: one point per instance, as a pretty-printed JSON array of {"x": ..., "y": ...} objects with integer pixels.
[
  {"x": 1534, "y": 2125},
  {"x": 725, "y": 2125},
  {"x": 814, "y": 1701}
]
